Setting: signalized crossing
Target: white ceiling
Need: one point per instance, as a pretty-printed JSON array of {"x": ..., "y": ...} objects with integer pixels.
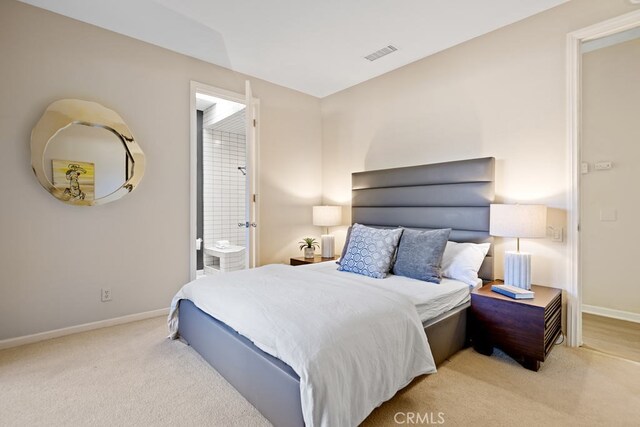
[{"x": 316, "y": 47}]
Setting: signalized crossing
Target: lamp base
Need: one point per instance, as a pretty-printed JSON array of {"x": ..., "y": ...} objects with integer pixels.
[
  {"x": 517, "y": 269},
  {"x": 328, "y": 245}
]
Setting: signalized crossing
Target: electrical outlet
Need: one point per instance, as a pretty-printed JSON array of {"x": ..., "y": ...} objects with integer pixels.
[{"x": 106, "y": 294}]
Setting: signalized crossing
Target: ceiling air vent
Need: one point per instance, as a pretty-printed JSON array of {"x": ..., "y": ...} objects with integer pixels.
[{"x": 380, "y": 53}]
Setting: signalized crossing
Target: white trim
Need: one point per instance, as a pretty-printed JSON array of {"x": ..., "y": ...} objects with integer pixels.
[
  {"x": 56, "y": 333},
  {"x": 609, "y": 312},
  {"x": 193, "y": 180},
  {"x": 216, "y": 92},
  {"x": 574, "y": 39},
  {"x": 574, "y": 321},
  {"x": 253, "y": 183},
  {"x": 256, "y": 184}
]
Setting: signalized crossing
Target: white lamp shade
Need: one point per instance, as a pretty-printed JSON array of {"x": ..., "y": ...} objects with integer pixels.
[
  {"x": 528, "y": 221},
  {"x": 327, "y": 216}
]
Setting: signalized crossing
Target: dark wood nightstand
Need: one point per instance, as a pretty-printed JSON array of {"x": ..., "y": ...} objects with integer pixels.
[
  {"x": 317, "y": 258},
  {"x": 524, "y": 329}
]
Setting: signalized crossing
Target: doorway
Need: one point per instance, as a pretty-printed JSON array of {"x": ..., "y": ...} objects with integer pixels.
[
  {"x": 601, "y": 196},
  {"x": 609, "y": 146},
  {"x": 223, "y": 180}
]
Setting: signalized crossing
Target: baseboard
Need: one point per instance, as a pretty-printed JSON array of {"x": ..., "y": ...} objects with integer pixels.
[
  {"x": 41, "y": 336},
  {"x": 609, "y": 312}
]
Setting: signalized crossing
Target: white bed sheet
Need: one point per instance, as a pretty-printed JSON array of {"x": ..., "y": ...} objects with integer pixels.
[{"x": 430, "y": 299}]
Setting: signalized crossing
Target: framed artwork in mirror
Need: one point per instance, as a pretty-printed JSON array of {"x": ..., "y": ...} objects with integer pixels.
[{"x": 75, "y": 179}]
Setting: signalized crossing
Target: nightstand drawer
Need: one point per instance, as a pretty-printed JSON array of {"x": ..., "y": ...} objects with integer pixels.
[
  {"x": 553, "y": 308},
  {"x": 552, "y": 321},
  {"x": 552, "y": 324},
  {"x": 551, "y": 336}
]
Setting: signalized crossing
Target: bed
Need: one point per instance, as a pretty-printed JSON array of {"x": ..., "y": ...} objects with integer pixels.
[{"x": 452, "y": 195}]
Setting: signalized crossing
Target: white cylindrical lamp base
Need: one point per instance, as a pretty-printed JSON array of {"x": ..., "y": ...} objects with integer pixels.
[
  {"x": 517, "y": 269},
  {"x": 328, "y": 245}
]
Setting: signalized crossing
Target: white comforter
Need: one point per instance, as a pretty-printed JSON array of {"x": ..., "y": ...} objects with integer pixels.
[{"x": 352, "y": 345}]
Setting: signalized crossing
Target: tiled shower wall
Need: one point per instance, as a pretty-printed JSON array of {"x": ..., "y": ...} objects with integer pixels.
[{"x": 223, "y": 188}]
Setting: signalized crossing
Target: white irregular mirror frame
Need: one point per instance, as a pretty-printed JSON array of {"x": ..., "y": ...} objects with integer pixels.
[{"x": 68, "y": 112}]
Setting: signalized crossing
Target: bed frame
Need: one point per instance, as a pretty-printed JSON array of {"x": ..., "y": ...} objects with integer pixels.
[{"x": 452, "y": 195}]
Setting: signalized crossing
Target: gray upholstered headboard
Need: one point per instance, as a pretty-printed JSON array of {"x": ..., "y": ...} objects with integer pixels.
[{"x": 452, "y": 195}]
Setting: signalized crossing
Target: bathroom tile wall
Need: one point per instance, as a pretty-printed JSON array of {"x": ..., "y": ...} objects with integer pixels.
[{"x": 224, "y": 188}]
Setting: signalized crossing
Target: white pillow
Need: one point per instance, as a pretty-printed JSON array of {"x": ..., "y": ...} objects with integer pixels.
[{"x": 461, "y": 261}]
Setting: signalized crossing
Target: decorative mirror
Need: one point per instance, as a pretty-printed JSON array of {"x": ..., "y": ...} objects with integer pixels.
[{"x": 84, "y": 154}]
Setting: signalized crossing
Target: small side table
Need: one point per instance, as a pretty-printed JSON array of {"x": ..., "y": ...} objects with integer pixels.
[
  {"x": 315, "y": 259},
  {"x": 525, "y": 329}
]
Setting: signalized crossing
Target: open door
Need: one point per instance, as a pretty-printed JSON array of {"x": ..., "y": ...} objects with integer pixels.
[{"x": 252, "y": 174}]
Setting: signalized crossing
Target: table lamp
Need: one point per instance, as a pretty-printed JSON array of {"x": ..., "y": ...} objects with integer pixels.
[
  {"x": 327, "y": 216},
  {"x": 519, "y": 221}
]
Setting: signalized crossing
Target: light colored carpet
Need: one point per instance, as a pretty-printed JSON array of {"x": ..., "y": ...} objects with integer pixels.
[{"x": 131, "y": 375}]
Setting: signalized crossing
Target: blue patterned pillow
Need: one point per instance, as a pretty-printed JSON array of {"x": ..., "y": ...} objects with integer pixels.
[{"x": 370, "y": 251}]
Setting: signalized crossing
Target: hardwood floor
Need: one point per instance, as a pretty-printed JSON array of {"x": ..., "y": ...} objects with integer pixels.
[{"x": 612, "y": 336}]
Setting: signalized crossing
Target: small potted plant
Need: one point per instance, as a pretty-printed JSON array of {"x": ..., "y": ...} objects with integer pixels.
[{"x": 309, "y": 244}]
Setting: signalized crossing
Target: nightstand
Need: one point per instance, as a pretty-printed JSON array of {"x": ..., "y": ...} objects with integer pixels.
[
  {"x": 524, "y": 329},
  {"x": 317, "y": 258}
]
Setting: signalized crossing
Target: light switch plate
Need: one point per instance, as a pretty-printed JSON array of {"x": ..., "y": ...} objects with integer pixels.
[{"x": 557, "y": 235}]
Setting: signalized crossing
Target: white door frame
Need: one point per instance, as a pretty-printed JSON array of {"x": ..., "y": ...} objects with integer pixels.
[
  {"x": 574, "y": 98},
  {"x": 252, "y": 117},
  {"x": 197, "y": 87}
]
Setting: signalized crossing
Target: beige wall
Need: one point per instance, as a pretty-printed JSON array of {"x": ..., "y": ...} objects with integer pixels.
[
  {"x": 55, "y": 258},
  {"x": 611, "y": 131},
  {"x": 501, "y": 95}
]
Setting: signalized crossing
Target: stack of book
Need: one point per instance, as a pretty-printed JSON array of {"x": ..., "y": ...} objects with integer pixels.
[{"x": 513, "y": 292}]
